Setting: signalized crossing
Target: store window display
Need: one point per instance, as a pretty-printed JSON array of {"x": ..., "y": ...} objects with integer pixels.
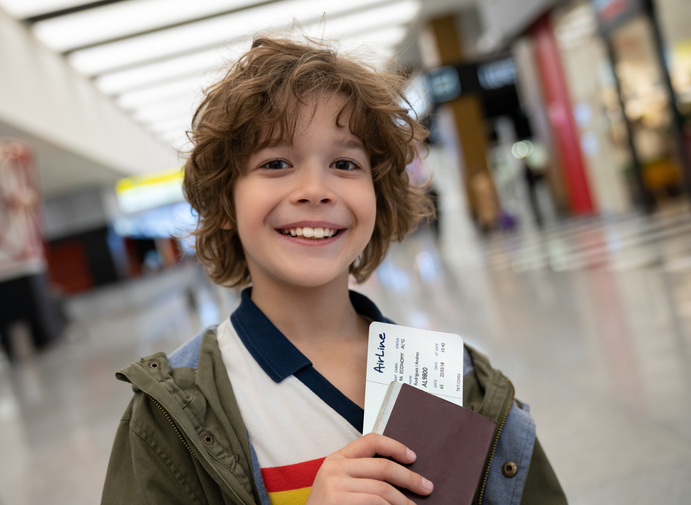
[{"x": 648, "y": 109}]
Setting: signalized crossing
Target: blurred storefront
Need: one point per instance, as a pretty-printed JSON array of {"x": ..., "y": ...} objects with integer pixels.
[
  {"x": 647, "y": 104},
  {"x": 606, "y": 85},
  {"x": 154, "y": 221},
  {"x": 519, "y": 152},
  {"x": 476, "y": 99},
  {"x": 642, "y": 143},
  {"x": 639, "y": 48},
  {"x": 106, "y": 235}
]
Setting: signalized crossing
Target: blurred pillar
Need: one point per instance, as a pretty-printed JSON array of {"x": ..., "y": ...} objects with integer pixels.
[
  {"x": 468, "y": 114},
  {"x": 448, "y": 39},
  {"x": 560, "y": 115}
]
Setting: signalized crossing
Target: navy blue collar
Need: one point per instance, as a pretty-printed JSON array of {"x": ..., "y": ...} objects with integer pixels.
[{"x": 269, "y": 347}]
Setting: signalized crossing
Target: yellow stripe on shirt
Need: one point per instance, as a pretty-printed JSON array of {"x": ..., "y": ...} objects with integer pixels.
[{"x": 292, "y": 497}]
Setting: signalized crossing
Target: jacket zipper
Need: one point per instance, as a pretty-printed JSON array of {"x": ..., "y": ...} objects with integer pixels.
[
  {"x": 172, "y": 423},
  {"x": 494, "y": 444},
  {"x": 182, "y": 439}
]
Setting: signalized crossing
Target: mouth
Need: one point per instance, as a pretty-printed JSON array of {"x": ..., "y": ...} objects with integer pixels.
[{"x": 309, "y": 233}]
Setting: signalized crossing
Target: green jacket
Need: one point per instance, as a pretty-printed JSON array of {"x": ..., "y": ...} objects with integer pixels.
[{"x": 182, "y": 439}]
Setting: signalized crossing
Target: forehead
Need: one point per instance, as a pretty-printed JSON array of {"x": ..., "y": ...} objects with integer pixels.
[{"x": 320, "y": 111}]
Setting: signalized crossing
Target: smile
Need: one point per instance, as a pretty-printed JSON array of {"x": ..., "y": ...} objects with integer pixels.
[{"x": 307, "y": 232}]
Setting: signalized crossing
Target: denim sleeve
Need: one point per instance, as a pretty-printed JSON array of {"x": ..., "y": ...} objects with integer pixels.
[{"x": 515, "y": 446}]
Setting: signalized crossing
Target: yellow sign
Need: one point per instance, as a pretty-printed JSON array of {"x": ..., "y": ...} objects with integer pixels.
[
  {"x": 147, "y": 191},
  {"x": 169, "y": 176}
]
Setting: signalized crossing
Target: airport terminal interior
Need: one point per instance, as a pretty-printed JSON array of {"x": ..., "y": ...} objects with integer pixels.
[{"x": 558, "y": 158}]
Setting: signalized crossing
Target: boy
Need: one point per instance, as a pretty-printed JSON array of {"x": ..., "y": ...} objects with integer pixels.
[{"x": 298, "y": 174}]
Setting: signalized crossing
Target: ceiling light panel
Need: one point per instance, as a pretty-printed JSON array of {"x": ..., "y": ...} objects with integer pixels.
[
  {"x": 167, "y": 70},
  {"x": 177, "y": 140},
  {"x": 387, "y": 37},
  {"x": 209, "y": 32},
  {"x": 92, "y": 62},
  {"x": 172, "y": 134},
  {"x": 387, "y": 15},
  {"x": 181, "y": 123},
  {"x": 177, "y": 133},
  {"x": 22, "y": 9},
  {"x": 167, "y": 109},
  {"x": 164, "y": 111},
  {"x": 132, "y": 100},
  {"x": 123, "y": 19},
  {"x": 159, "y": 98},
  {"x": 156, "y": 101}
]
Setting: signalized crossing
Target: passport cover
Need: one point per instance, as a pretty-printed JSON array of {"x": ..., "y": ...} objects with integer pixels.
[{"x": 451, "y": 442}]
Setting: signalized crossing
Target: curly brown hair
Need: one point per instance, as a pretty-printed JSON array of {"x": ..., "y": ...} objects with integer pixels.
[{"x": 257, "y": 102}]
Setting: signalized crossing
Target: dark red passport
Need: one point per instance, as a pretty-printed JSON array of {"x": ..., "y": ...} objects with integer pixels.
[{"x": 451, "y": 442}]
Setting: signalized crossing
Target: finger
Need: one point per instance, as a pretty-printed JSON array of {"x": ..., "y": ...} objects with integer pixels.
[
  {"x": 388, "y": 471},
  {"x": 373, "y": 444},
  {"x": 368, "y": 499},
  {"x": 367, "y": 490}
]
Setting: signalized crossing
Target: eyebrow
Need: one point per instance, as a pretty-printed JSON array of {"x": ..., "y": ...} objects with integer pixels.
[
  {"x": 279, "y": 143},
  {"x": 351, "y": 144},
  {"x": 342, "y": 143}
]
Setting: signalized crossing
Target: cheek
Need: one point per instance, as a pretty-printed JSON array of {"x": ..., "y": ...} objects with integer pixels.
[
  {"x": 367, "y": 206},
  {"x": 248, "y": 200},
  {"x": 244, "y": 210},
  {"x": 238, "y": 203}
]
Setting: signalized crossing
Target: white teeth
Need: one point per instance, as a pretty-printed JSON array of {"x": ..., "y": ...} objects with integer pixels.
[{"x": 308, "y": 232}]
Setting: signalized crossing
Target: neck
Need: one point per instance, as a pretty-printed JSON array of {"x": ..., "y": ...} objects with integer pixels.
[{"x": 311, "y": 314}]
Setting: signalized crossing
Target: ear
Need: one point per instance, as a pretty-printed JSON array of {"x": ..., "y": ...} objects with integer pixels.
[{"x": 226, "y": 225}]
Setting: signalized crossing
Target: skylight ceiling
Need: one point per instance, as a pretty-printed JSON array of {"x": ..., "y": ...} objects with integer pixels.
[
  {"x": 129, "y": 18},
  {"x": 24, "y": 9},
  {"x": 154, "y": 57}
]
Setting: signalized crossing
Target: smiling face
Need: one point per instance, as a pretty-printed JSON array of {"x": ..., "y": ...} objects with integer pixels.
[{"x": 306, "y": 210}]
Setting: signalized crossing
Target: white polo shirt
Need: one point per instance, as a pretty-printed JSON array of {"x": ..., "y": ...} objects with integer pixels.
[{"x": 294, "y": 416}]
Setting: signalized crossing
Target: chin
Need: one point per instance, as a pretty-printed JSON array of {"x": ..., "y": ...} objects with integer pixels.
[{"x": 316, "y": 279}]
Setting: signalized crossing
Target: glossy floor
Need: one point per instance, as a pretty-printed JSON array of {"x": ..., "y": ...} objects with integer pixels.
[{"x": 591, "y": 319}]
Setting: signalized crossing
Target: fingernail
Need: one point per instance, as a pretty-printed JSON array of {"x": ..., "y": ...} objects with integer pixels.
[
  {"x": 427, "y": 485},
  {"x": 411, "y": 454}
]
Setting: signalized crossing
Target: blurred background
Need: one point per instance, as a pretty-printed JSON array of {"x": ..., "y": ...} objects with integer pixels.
[{"x": 560, "y": 159}]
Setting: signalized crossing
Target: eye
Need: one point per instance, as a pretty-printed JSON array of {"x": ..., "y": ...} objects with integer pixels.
[
  {"x": 275, "y": 164},
  {"x": 345, "y": 165}
]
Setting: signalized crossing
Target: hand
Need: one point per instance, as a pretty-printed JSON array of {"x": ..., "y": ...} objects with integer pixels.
[{"x": 353, "y": 476}]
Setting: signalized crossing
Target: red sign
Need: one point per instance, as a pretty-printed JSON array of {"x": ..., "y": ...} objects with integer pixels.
[
  {"x": 20, "y": 209},
  {"x": 561, "y": 119},
  {"x": 612, "y": 13},
  {"x": 610, "y": 9}
]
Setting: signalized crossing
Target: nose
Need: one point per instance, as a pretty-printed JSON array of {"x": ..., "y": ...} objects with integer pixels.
[{"x": 312, "y": 186}]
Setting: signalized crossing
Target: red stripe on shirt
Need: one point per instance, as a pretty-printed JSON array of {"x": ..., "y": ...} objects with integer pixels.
[{"x": 288, "y": 477}]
